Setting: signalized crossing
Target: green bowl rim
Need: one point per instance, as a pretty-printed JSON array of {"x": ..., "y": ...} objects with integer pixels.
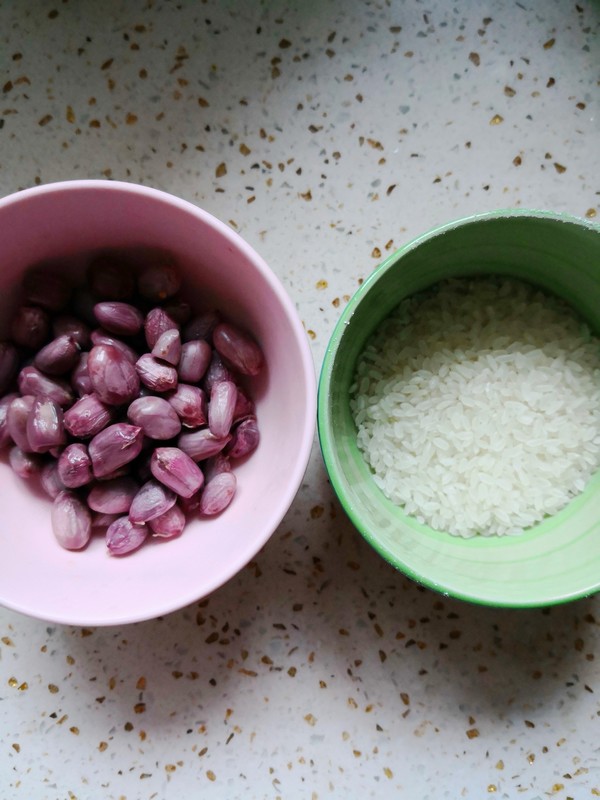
[{"x": 323, "y": 404}]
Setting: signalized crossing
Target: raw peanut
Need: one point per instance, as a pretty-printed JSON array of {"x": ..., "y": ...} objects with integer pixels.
[
  {"x": 244, "y": 407},
  {"x": 71, "y": 521},
  {"x": 218, "y": 494},
  {"x": 58, "y": 356},
  {"x": 103, "y": 520},
  {"x": 114, "y": 447},
  {"x": 169, "y": 524},
  {"x": 201, "y": 444},
  {"x": 30, "y": 327},
  {"x": 175, "y": 469},
  {"x": 102, "y": 336},
  {"x": 50, "y": 480},
  {"x": 189, "y": 505},
  {"x": 123, "y": 536},
  {"x": 80, "y": 377},
  {"x": 75, "y": 466},
  {"x": 158, "y": 281},
  {"x": 45, "y": 428},
  {"x": 156, "y": 376},
  {"x": 223, "y": 396},
  {"x": 201, "y": 326},
  {"x": 168, "y": 347},
  {"x": 17, "y": 415},
  {"x": 114, "y": 496},
  {"x": 238, "y": 348},
  {"x": 216, "y": 371},
  {"x": 32, "y": 381},
  {"x": 152, "y": 500},
  {"x": 215, "y": 465},
  {"x": 23, "y": 464},
  {"x": 155, "y": 416},
  {"x": 157, "y": 322},
  {"x": 74, "y": 327},
  {"x": 190, "y": 404},
  {"x": 194, "y": 361},
  {"x": 87, "y": 416},
  {"x": 244, "y": 439},
  {"x": 118, "y": 317},
  {"x": 5, "y": 437},
  {"x": 113, "y": 376}
]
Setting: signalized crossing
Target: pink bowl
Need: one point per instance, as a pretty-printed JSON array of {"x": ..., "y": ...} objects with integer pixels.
[{"x": 65, "y": 223}]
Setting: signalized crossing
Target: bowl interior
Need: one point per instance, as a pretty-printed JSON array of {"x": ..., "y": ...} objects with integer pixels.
[
  {"x": 555, "y": 561},
  {"x": 63, "y": 224}
]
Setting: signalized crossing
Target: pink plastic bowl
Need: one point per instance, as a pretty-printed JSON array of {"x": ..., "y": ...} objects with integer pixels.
[{"x": 65, "y": 222}]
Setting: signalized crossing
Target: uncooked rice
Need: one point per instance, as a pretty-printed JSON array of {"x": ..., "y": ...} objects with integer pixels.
[{"x": 477, "y": 406}]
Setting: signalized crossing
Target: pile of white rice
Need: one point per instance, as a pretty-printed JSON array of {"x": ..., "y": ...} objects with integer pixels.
[{"x": 477, "y": 406}]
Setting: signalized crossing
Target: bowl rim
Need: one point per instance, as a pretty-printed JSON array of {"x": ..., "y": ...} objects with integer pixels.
[
  {"x": 306, "y": 360},
  {"x": 324, "y": 415}
]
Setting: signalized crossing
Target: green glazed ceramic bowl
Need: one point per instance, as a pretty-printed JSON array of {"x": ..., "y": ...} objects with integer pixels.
[{"x": 553, "y": 562}]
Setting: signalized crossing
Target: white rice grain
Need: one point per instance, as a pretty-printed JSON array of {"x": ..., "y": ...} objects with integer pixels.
[{"x": 477, "y": 406}]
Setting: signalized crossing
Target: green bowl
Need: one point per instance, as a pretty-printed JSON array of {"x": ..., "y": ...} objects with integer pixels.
[{"x": 555, "y": 561}]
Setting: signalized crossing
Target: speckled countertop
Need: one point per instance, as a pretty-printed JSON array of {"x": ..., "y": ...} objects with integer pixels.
[{"x": 327, "y": 134}]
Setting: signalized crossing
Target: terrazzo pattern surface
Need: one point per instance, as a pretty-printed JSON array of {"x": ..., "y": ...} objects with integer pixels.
[{"x": 327, "y": 134}]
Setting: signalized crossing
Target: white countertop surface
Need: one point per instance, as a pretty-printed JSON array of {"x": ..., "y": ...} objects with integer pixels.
[{"x": 327, "y": 134}]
